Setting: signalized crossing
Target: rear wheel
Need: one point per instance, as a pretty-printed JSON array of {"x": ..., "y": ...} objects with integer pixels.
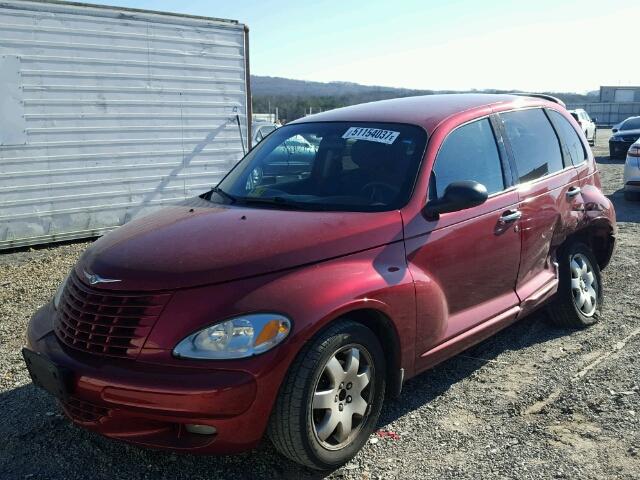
[
  {"x": 331, "y": 399},
  {"x": 579, "y": 298}
]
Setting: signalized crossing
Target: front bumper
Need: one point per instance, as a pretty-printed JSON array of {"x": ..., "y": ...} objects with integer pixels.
[
  {"x": 619, "y": 149},
  {"x": 150, "y": 404}
]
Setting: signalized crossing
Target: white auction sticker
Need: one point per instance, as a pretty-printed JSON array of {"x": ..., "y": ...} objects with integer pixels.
[{"x": 372, "y": 134}]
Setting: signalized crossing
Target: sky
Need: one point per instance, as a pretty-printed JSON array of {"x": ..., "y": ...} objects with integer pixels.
[{"x": 535, "y": 45}]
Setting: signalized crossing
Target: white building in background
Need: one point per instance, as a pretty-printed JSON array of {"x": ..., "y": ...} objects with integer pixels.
[
  {"x": 620, "y": 94},
  {"x": 110, "y": 112}
]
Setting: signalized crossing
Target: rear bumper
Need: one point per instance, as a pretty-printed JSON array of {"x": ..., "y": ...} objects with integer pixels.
[
  {"x": 632, "y": 175},
  {"x": 150, "y": 404}
]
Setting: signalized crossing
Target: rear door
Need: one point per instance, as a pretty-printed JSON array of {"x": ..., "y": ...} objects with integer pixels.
[{"x": 548, "y": 195}]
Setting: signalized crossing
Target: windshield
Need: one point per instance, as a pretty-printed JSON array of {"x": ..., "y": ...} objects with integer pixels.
[
  {"x": 630, "y": 124},
  {"x": 344, "y": 166}
]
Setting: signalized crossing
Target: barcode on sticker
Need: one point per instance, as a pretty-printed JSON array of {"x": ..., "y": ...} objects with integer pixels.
[{"x": 372, "y": 134}]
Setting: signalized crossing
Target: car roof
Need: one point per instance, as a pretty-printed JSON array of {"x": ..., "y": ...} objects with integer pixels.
[{"x": 427, "y": 111}]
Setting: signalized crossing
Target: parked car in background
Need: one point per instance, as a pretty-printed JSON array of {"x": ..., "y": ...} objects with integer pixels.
[
  {"x": 587, "y": 125},
  {"x": 261, "y": 130},
  {"x": 632, "y": 172},
  {"x": 628, "y": 132},
  {"x": 291, "y": 160},
  {"x": 294, "y": 297}
]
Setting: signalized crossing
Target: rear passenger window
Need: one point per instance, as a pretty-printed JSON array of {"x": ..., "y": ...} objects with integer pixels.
[
  {"x": 468, "y": 153},
  {"x": 567, "y": 133},
  {"x": 534, "y": 143}
]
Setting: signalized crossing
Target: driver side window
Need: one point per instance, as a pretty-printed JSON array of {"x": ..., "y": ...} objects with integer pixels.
[{"x": 468, "y": 153}]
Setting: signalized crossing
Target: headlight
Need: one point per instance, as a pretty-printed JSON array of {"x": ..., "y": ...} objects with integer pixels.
[
  {"x": 58, "y": 296},
  {"x": 616, "y": 139},
  {"x": 239, "y": 337}
]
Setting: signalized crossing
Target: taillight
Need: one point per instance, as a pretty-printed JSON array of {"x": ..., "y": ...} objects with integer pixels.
[{"x": 634, "y": 151}]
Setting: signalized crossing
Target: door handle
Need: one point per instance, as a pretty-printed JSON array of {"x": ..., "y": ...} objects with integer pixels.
[
  {"x": 510, "y": 216},
  {"x": 573, "y": 191}
]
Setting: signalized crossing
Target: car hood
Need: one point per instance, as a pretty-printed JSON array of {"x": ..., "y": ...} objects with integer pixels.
[
  {"x": 624, "y": 133},
  {"x": 198, "y": 242}
]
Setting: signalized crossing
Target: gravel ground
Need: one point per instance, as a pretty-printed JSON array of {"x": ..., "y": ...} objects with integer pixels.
[{"x": 534, "y": 401}]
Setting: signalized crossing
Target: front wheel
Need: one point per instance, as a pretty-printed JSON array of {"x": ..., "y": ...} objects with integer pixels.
[
  {"x": 579, "y": 298},
  {"x": 331, "y": 398}
]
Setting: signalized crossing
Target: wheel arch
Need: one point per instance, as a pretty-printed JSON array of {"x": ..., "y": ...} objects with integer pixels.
[
  {"x": 385, "y": 330},
  {"x": 599, "y": 237}
]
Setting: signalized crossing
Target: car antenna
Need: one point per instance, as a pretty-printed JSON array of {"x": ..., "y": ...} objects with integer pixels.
[{"x": 240, "y": 131}]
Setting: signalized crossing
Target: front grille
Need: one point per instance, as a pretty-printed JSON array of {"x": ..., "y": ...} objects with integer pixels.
[
  {"x": 105, "y": 322},
  {"x": 84, "y": 412}
]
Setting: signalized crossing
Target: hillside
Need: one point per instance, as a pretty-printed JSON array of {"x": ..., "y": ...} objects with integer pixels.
[
  {"x": 296, "y": 97},
  {"x": 279, "y": 86}
]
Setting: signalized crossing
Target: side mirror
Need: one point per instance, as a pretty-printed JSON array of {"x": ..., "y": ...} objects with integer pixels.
[
  {"x": 594, "y": 119},
  {"x": 614, "y": 130},
  {"x": 457, "y": 196}
]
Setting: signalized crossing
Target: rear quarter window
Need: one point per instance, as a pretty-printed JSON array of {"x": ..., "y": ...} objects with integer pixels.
[
  {"x": 570, "y": 138},
  {"x": 535, "y": 146}
]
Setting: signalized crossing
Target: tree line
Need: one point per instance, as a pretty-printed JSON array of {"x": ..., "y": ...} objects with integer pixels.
[{"x": 291, "y": 107}]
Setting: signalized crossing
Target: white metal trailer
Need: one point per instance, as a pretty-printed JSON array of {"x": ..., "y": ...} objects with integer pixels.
[{"x": 108, "y": 112}]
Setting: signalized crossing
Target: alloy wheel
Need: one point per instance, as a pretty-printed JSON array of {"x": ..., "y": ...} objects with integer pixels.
[
  {"x": 584, "y": 285},
  {"x": 342, "y": 396}
]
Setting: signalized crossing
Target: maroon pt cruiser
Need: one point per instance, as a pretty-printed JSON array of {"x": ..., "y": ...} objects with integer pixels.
[{"x": 346, "y": 253}]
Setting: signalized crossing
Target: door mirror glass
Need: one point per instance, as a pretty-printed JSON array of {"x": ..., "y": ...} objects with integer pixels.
[{"x": 457, "y": 196}]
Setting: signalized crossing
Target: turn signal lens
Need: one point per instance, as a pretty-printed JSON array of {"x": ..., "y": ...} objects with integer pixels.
[
  {"x": 58, "y": 295},
  {"x": 200, "y": 429},
  {"x": 239, "y": 337}
]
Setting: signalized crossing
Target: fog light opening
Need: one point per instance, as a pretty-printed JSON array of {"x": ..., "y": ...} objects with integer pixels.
[{"x": 200, "y": 429}]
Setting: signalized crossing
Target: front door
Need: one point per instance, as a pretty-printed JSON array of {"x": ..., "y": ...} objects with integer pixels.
[{"x": 472, "y": 255}]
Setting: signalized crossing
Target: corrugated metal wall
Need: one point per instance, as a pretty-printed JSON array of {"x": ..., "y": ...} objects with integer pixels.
[
  {"x": 122, "y": 111},
  {"x": 609, "y": 113}
]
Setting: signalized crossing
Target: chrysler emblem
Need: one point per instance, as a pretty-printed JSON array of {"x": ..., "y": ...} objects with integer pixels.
[{"x": 95, "y": 279}]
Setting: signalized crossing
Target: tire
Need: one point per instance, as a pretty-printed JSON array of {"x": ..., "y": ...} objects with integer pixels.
[
  {"x": 631, "y": 196},
  {"x": 304, "y": 433},
  {"x": 576, "y": 261},
  {"x": 593, "y": 140}
]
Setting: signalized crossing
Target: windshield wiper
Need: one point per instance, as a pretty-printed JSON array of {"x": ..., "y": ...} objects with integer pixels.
[
  {"x": 222, "y": 193},
  {"x": 276, "y": 201}
]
